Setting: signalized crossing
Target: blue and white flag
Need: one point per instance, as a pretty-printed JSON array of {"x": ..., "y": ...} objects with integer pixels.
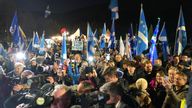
[
  {"x": 165, "y": 46},
  {"x": 102, "y": 38},
  {"x": 42, "y": 45},
  {"x": 128, "y": 51},
  {"x": 114, "y": 9},
  {"x": 111, "y": 43},
  {"x": 153, "y": 50},
  {"x": 181, "y": 36},
  {"x": 14, "y": 24},
  {"x": 90, "y": 43},
  {"x": 142, "y": 39},
  {"x": 35, "y": 40},
  {"x": 64, "y": 48}
]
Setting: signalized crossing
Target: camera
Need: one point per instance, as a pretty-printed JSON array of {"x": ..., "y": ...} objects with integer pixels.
[{"x": 90, "y": 99}]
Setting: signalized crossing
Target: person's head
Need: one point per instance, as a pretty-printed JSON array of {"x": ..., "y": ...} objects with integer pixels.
[
  {"x": 19, "y": 67},
  {"x": 33, "y": 62},
  {"x": 176, "y": 59},
  {"x": 77, "y": 58},
  {"x": 27, "y": 74},
  {"x": 184, "y": 58},
  {"x": 180, "y": 79},
  {"x": 110, "y": 74},
  {"x": 125, "y": 64},
  {"x": 160, "y": 75},
  {"x": 158, "y": 63},
  {"x": 118, "y": 58},
  {"x": 171, "y": 73},
  {"x": 148, "y": 66},
  {"x": 131, "y": 67},
  {"x": 59, "y": 91},
  {"x": 115, "y": 92},
  {"x": 90, "y": 72},
  {"x": 85, "y": 87},
  {"x": 141, "y": 84}
]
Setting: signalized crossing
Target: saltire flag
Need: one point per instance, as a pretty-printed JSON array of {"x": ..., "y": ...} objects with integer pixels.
[
  {"x": 181, "y": 36},
  {"x": 35, "y": 40},
  {"x": 14, "y": 24},
  {"x": 121, "y": 47},
  {"x": 113, "y": 6},
  {"x": 111, "y": 43},
  {"x": 90, "y": 43},
  {"x": 128, "y": 51},
  {"x": 164, "y": 43},
  {"x": 142, "y": 39},
  {"x": 64, "y": 48},
  {"x": 102, "y": 38},
  {"x": 153, "y": 50},
  {"x": 42, "y": 45}
]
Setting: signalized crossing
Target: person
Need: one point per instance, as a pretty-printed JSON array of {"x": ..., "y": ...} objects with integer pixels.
[
  {"x": 149, "y": 73},
  {"x": 171, "y": 74},
  {"x": 5, "y": 90},
  {"x": 131, "y": 75},
  {"x": 110, "y": 75},
  {"x": 117, "y": 96},
  {"x": 177, "y": 92},
  {"x": 119, "y": 61},
  {"x": 62, "y": 97},
  {"x": 157, "y": 90}
]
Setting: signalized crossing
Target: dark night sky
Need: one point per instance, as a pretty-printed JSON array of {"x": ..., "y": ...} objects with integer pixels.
[{"x": 76, "y": 13}]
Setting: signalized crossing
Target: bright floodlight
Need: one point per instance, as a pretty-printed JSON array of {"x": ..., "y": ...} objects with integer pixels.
[{"x": 20, "y": 56}]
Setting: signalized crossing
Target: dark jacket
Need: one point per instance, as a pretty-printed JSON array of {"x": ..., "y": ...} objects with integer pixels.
[{"x": 173, "y": 98}]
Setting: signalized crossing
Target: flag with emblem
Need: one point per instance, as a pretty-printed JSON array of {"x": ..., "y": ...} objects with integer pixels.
[{"x": 142, "y": 39}]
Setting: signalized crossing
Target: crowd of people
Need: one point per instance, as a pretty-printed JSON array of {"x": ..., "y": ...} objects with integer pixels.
[{"x": 44, "y": 81}]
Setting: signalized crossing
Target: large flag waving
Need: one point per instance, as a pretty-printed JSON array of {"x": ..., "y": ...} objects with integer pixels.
[
  {"x": 114, "y": 9},
  {"x": 111, "y": 43},
  {"x": 142, "y": 39},
  {"x": 14, "y": 24},
  {"x": 165, "y": 46},
  {"x": 90, "y": 44},
  {"x": 181, "y": 36},
  {"x": 153, "y": 50}
]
